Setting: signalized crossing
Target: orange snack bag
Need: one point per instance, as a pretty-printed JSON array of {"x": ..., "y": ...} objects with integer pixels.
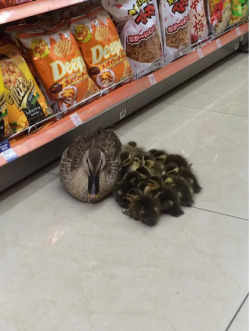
[
  {"x": 5, "y": 130},
  {"x": 14, "y": 31},
  {"x": 60, "y": 67},
  {"x": 25, "y": 102},
  {"x": 101, "y": 48}
]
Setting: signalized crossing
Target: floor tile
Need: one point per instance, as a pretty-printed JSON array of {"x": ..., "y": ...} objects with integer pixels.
[
  {"x": 241, "y": 322},
  {"x": 223, "y": 88},
  {"x": 216, "y": 144},
  {"x": 67, "y": 265}
]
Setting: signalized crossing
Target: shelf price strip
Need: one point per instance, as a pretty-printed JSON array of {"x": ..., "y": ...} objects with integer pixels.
[
  {"x": 238, "y": 31},
  {"x": 6, "y": 151},
  {"x": 200, "y": 53},
  {"x": 152, "y": 80},
  {"x": 218, "y": 43},
  {"x": 76, "y": 119}
]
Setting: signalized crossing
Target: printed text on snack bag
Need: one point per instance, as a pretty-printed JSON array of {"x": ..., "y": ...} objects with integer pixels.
[
  {"x": 99, "y": 52},
  {"x": 60, "y": 69},
  {"x": 19, "y": 92}
]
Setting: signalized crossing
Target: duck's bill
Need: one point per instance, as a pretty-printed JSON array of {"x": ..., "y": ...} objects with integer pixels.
[{"x": 93, "y": 187}]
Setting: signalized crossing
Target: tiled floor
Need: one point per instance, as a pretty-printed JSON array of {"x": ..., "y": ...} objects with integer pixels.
[{"x": 70, "y": 266}]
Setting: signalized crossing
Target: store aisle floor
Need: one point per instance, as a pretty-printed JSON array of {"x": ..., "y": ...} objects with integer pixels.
[{"x": 66, "y": 265}]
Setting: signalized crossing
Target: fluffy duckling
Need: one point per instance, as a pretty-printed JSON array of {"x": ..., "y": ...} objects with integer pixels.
[
  {"x": 177, "y": 159},
  {"x": 167, "y": 197},
  {"x": 155, "y": 167},
  {"x": 132, "y": 177},
  {"x": 122, "y": 186},
  {"x": 125, "y": 162},
  {"x": 143, "y": 172},
  {"x": 120, "y": 191},
  {"x": 132, "y": 148},
  {"x": 142, "y": 207},
  {"x": 182, "y": 187},
  {"x": 186, "y": 173}
]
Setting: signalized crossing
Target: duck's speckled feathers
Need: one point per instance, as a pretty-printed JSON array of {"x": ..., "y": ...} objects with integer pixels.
[{"x": 72, "y": 158}]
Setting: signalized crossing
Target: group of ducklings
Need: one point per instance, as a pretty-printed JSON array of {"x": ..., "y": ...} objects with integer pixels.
[{"x": 153, "y": 182}]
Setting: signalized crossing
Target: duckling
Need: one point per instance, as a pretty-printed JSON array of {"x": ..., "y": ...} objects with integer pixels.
[
  {"x": 120, "y": 191},
  {"x": 155, "y": 168},
  {"x": 133, "y": 148},
  {"x": 182, "y": 187},
  {"x": 177, "y": 159},
  {"x": 167, "y": 197},
  {"x": 132, "y": 177},
  {"x": 138, "y": 160},
  {"x": 142, "y": 207},
  {"x": 143, "y": 172},
  {"x": 172, "y": 168},
  {"x": 160, "y": 156},
  {"x": 125, "y": 162},
  {"x": 189, "y": 176},
  {"x": 89, "y": 166},
  {"x": 186, "y": 173}
]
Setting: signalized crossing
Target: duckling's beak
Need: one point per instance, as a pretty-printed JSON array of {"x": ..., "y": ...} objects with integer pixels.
[{"x": 93, "y": 186}]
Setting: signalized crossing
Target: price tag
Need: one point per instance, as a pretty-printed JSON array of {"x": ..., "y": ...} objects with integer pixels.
[
  {"x": 199, "y": 51},
  {"x": 123, "y": 113},
  {"x": 151, "y": 78},
  {"x": 218, "y": 42},
  {"x": 76, "y": 119},
  {"x": 237, "y": 46},
  {"x": 7, "y": 153},
  {"x": 238, "y": 31}
]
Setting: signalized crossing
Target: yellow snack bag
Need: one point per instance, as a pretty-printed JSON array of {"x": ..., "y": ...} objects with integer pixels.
[
  {"x": 5, "y": 130},
  {"x": 25, "y": 102}
]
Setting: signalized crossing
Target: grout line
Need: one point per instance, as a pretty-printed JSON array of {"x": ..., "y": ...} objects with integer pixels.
[
  {"x": 216, "y": 212},
  {"x": 193, "y": 107},
  {"x": 237, "y": 312}
]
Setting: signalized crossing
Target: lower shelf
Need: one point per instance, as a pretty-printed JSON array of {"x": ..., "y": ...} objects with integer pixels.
[{"x": 39, "y": 149}]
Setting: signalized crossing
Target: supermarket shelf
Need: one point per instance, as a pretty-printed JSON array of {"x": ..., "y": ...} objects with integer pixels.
[
  {"x": 39, "y": 149},
  {"x": 33, "y": 8}
]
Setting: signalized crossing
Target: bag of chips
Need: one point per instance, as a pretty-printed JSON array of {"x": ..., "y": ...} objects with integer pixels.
[
  {"x": 101, "y": 48},
  {"x": 25, "y": 102},
  {"x": 138, "y": 23},
  {"x": 57, "y": 60},
  {"x": 175, "y": 21},
  {"x": 219, "y": 14},
  {"x": 5, "y": 130},
  {"x": 239, "y": 10},
  {"x": 10, "y": 3},
  {"x": 14, "y": 31},
  {"x": 199, "y": 28}
]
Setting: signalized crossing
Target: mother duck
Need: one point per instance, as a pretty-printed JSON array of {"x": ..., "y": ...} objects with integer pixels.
[{"x": 89, "y": 166}]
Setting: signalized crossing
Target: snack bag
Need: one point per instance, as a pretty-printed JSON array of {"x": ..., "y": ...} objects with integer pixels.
[
  {"x": 219, "y": 14},
  {"x": 60, "y": 67},
  {"x": 10, "y": 3},
  {"x": 101, "y": 48},
  {"x": 14, "y": 31},
  {"x": 175, "y": 21},
  {"x": 25, "y": 102},
  {"x": 138, "y": 23},
  {"x": 5, "y": 130},
  {"x": 199, "y": 28},
  {"x": 239, "y": 10}
]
